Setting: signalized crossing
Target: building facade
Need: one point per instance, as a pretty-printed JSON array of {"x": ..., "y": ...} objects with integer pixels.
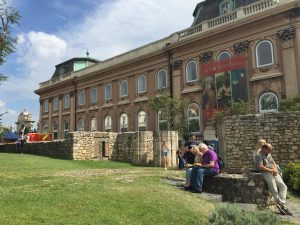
[{"x": 235, "y": 50}]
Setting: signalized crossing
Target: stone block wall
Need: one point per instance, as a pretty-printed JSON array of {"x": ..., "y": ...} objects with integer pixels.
[
  {"x": 57, "y": 149},
  {"x": 140, "y": 148},
  {"x": 238, "y": 136},
  {"x": 250, "y": 189}
]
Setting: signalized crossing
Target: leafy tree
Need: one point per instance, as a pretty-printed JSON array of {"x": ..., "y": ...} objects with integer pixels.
[
  {"x": 172, "y": 111},
  {"x": 9, "y": 16}
]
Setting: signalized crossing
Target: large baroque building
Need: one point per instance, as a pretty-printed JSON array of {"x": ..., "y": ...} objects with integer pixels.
[{"x": 235, "y": 50}]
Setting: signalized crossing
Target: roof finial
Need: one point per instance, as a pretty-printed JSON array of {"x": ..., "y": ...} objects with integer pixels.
[{"x": 87, "y": 53}]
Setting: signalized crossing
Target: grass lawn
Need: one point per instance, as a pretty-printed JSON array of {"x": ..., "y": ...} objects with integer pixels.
[
  {"x": 41, "y": 190},
  {"x": 294, "y": 197}
]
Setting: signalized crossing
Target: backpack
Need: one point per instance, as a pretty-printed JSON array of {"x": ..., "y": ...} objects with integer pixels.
[{"x": 220, "y": 162}]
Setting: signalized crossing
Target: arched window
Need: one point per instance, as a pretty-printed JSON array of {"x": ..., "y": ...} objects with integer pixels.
[
  {"x": 45, "y": 128},
  {"x": 123, "y": 122},
  {"x": 46, "y": 106},
  {"x": 142, "y": 121},
  {"x": 66, "y": 101},
  {"x": 55, "y": 131},
  {"x": 141, "y": 84},
  {"x": 193, "y": 117},
  {"x": 161, "y": 79},
  {"x": 55, "y": 103},
  {"x": 162, "y": 120},
  {"x": 93, "y": 124},
  {"x": 191, "y": 71},
  {"x": 268, "y": 102},
  {"x": 94, "y": 95},
  {"x": 123, "y": 88},
  {"x": 80, "y": 125},
  {"x": 107, "y": 92},
  {"x": 107, "y": 123},
  {"x": 264, "y": 53},
  {"x": 223, "y": 56},
  {"x": 66, "y": 128},
  {"x": 81, "y": 98}
]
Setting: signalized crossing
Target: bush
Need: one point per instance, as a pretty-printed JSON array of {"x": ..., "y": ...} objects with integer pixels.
[
  {"x": 230, "y": 214},
  {"x": 292, "y": 176},
  {"x": 290, "y": 105}
]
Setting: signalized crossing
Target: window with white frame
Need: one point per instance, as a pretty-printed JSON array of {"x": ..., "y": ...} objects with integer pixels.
[
  {"x": 142, "y": 121},
  {"x": 66, "y": 128},
  {"x": 55, "y": 103},
  {"x": 55, "y": 131},
  {"x": 94, "y": 95},
  {"x": 80, "y": 125},
  {"x": 66, "y": 101},
  {"x": 123, "y": 88},
  {"x": 107, "y": 123},
  {"x": 161, "y": 79},
  {"x": 193, "y": 119},
  {"x": 46, "y": 106},
  {"x": 107, "y": 92},
  {"x": 93, "y": 124},
  {"x": 223, "y": 56},
  {"x": 81, "y": 98},
  {"x": 268, "y": 102},
  {"x": 264, "y": 53},
  {"x": 123, "y": 122},
  {"x": 162, "y": 120},
  {"x": 45, "y": 128},
  {"x": 141, "y": 84},
  {"x": 191, "y": 71}
]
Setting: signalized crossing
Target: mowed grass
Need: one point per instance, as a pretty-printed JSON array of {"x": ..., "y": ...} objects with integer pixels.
[{"x": 41, "y": 190}]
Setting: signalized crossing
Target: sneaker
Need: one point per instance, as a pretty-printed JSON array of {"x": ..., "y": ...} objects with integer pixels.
[
  {"x": 287, "y": 211},
  {"x": 281, "y": 209}
]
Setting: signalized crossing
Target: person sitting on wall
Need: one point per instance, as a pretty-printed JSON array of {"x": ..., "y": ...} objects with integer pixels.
[
  {"x": 268, "y": 168},
  {"x": 209, "y": 168},
  {"x": 188, "y": 155},
  {"x": 198, "y": 158}
]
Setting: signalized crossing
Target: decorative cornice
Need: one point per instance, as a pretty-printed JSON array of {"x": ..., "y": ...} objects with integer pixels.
[
  {"x": 286, "y": 34},
  {"x": 206, "y": 57},
  {"x": 241, "y": 47},
  {"x": 177, "y": 65}
]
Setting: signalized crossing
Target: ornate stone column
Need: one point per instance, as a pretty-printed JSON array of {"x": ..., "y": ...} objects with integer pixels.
[{"x": 291, "y": 73}]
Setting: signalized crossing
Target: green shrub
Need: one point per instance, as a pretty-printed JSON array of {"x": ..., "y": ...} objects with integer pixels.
[
  {"x": 291, "y": 104},
  {"x": 230, "y": 214},
  {"x": 292, "y": 176}
]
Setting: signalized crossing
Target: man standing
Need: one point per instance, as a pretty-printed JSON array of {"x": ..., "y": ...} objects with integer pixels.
[{"x": 268, "y": 169}]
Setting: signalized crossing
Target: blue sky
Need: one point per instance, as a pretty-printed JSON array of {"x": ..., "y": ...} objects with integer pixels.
[{"x": 52, "y": 31}]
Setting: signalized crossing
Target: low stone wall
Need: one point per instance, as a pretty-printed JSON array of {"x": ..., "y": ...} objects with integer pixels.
[
  {"x": 250, "y": 189},
  {"x": 142, "y": 148},
  {"x": 56, "y": 149},
  {"x": 238, "y": 136}
]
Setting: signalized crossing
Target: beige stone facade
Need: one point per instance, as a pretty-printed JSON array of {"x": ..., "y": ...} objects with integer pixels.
[{"x": 242, "y": 32}]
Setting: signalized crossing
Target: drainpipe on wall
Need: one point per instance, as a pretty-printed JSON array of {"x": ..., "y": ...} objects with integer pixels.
[{"x": 74, "y": 82}]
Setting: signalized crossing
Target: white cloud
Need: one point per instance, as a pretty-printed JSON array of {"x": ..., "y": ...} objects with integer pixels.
[
  {"x": 113, "y": 27},
  {"x": 9, "y": 118}
]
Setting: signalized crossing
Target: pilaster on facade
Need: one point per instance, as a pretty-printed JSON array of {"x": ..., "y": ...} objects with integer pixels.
[
  {"x": 206, "y": 57},
  {"x": 286, "y": 34},
  {"x": 241, "y": 47}
]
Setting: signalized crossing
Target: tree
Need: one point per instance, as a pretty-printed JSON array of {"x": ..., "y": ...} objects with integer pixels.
[
  {"x": 171, "y": 110},
  {"x": 9, "y": 16}
]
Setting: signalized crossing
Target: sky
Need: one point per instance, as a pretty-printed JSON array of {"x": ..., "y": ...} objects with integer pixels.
[{"x": 53, "y": 31}]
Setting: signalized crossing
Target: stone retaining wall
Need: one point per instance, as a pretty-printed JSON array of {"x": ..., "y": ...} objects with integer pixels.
[
  {"x": 141, "y": 148},
  {"x": 250, "y": 189},
  {"x": 238, "y": 136}
]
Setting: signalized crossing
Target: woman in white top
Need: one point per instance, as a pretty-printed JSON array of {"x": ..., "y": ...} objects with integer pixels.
[{"x": 165, "y": 152}]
